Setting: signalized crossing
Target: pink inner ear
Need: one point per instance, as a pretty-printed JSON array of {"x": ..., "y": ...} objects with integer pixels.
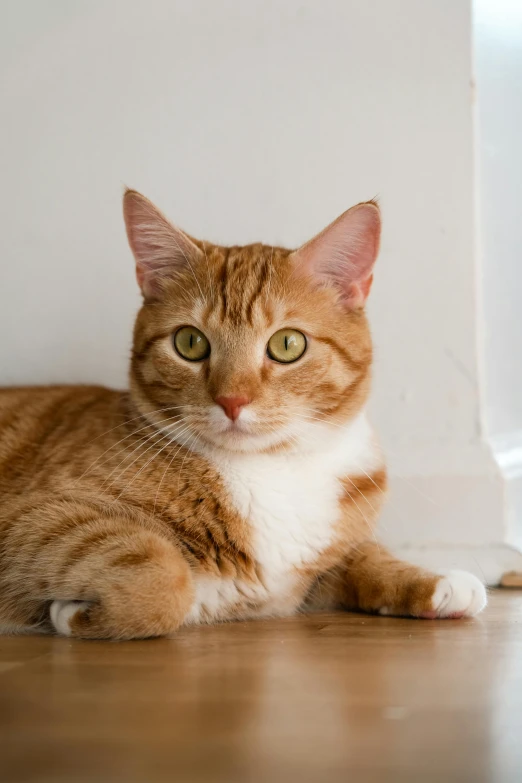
[
  {"x": 345, "y": 252},
  {"x": 158, "y": 247}
]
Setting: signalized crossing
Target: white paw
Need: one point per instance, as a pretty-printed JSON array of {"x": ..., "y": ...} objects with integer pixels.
[
  {"x": 62, "y": 612},
  {"x": 458, "y": 594}
]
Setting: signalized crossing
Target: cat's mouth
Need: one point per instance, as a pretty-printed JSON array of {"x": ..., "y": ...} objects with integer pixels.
[
  {"x": 245, "y": 434},
  {"x": 238, "y": 427},
  {"x": 235, "y": 432},
  {"x": 246, "y": 425},
  {"x": 241, "y": 435}
]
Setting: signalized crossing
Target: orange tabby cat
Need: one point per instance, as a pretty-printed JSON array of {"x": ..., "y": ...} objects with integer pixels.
[{"x": 237, "y": 478}]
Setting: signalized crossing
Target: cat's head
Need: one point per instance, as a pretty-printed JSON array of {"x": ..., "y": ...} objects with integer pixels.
[{"x": 251, "y": 348}]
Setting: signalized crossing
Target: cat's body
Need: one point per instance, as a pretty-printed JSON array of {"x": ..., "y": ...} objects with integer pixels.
[
  {"x": 225, "y": 487},
  {"x": 262, "y": 527}
]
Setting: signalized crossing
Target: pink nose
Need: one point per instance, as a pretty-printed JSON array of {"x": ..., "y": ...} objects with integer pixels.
[{"x": 232, "y": 405}]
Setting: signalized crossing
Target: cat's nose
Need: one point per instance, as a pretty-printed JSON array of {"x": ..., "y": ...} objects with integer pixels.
[{"x": 232, "y": 405}]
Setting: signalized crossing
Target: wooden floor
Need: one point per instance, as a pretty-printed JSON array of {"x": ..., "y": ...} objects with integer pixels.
[{"x": 344, "y": 698}]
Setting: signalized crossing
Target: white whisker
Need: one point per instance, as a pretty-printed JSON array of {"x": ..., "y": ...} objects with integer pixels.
[
  {"x": 118, "y": 442},
  {"x": 165, "y": 472},
  {"x": 156, "y": 434},
  {"x": 154, "y": 456}
]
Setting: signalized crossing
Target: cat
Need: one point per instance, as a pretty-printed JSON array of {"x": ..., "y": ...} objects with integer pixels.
[{"x": 237, "y": 478}]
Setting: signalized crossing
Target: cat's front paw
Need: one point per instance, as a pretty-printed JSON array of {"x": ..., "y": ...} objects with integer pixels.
[
  {"x": 457, "y": 594},
  {"x": 62, "y": 612}
]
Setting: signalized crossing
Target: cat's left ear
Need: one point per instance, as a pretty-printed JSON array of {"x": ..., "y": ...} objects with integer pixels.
[{"x": 344, "y": 253}]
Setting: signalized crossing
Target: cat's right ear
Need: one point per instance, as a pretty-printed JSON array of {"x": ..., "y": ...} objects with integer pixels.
[{"x": 160, "y": 249}]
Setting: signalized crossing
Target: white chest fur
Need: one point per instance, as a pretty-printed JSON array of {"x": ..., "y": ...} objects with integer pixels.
[{"x": 291, "y": 504}]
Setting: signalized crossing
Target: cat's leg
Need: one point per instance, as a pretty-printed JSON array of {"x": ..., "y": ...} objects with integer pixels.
[
  {"x": 89, "y": 570},
  {"x": 372, "y": 580}
]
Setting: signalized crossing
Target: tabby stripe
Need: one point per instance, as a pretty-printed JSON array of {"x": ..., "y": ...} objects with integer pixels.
[
  {"x": 143, "y": 349},
  {"x": 62, "y": 527},
  {"x": 355, "y": 486},
  {"x": 85, "y": 547},
  {"x": 348, "y": 359},
  {"x": 224, "y": 282},
  {"x": 129, "y": 559},
  {"x": 262, "y": 278}
]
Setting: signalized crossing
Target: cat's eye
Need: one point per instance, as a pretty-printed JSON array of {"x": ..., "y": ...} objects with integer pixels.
[
  {"x": 191, "y": 344},
  {"x": 286, "y": 345}
]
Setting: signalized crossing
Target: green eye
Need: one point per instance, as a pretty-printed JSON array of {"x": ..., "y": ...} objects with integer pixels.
[
  {"x": 286, "y": 345},
  {"x": 191, "y": 344}
]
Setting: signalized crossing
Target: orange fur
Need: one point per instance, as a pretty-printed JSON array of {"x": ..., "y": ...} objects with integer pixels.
[{"x": 109, "y": 498}]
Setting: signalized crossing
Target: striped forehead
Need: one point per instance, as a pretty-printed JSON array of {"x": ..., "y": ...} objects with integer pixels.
[{"x": 244, "y": 277}]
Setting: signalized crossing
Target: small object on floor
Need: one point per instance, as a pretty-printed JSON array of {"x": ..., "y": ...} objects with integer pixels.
[{"x": 511, "y": 579}]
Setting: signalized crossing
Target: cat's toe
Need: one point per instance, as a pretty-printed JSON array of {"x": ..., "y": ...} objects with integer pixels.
[
  {"x": 457, "y": 594},
  {"x": 62, "y": 612}
]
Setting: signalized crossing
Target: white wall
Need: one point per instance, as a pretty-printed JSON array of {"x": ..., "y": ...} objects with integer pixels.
[{"x": 244, "y": 121}]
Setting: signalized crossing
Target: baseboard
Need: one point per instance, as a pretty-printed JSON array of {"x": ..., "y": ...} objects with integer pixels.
[
  {"x": 459, "y": 508},
  {"x": 448, "y": 496},
  {"x": 507, "y": 450},
  {"x": 490, "y": 562}
]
